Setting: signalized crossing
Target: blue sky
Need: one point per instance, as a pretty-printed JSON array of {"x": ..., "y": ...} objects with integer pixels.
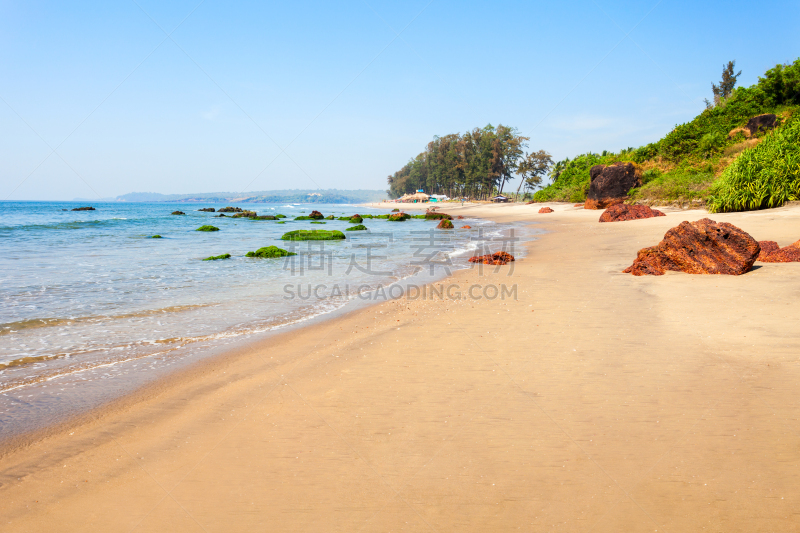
[{"x": 179, "y": 97}]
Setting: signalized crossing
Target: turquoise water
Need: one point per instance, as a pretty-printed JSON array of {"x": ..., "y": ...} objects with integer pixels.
[{"x": 87, "y": 290}]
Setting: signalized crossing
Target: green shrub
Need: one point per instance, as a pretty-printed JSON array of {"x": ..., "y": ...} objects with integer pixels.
[
  {"x": 207, "y": 228},
  {"x": 360, "y": 227},
  {"x": 313, "y": 235},
  {"x": 767, "y": 175},
  {"x": 215, "y": 257},
  {"x": 269, "y": 252},
  {"x": 679, "y": 184}
]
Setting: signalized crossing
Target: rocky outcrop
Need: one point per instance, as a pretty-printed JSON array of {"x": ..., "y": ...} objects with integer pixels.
[
  {"x": 622, "y": 212},
  {"x": 497, "y": 258},
  {"x": 761, "y": 123},
  {"x": 83, "y": 209},
  {"x": 772, "y": 253},
  {"x": 178, "y": 213},
  {"x": 459, "y": 217},
  {"x": 207, "y": 228},
  {"x": 610, "y": 184},
  {"x": 217, "y": 257},
  {"x": 230, "y": 209},
  {"x": 360, "y": 227},
  {"x": 445, "y": 224},
  {"x": 545, "y": 210},
  {"x": 245, "y": 214},
  {"x": 702, "y": 247},
  {"x": 316, "y": 215},
  {"x": 356, "y": 219},
  {"x": 432, "y": 215},
  {"x": 397, "y": 217},
  {"x": 207, "y": 210}
]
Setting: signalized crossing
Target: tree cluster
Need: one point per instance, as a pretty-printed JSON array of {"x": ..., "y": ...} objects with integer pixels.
[{"x": 474, "y": 165}]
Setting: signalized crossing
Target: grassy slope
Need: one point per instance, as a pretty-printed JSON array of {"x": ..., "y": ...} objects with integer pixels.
[{"x": 688, "y": 163}]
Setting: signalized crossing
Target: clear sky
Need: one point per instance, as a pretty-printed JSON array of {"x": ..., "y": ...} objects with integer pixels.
[{"x": 190, "y": 96}]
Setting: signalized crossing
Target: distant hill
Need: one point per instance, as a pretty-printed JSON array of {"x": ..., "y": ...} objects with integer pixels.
[{"x": 319, "y": 196}]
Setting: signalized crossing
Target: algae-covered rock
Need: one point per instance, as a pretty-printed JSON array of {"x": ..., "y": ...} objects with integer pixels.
[
  {"x": 156, "y": 237},
  {"x": 215, "y": 257},
  {"x": 83, "y": 209},
  {"x": 207, "y": 228},
  {"x": 268, "y": 252},
  {"x": 360, "y": 227},
  {"x": 398, "y": 217},
  {"x": 245, "y": 214},
  {"x": 318, "y": 222},
  {"x": 430, "y": 215},
  {"x": 178, "y": 213},
  {"x": 355, "y": 219},
  {"x": 207, "y": 209},
  {"x": 395, "y": 210},
  {"x": 230, "y": 209},
  {"x": 316, "y": 215},
  {"x": 280, "y": 216},
  {"x": 313, "y": 235},
  {"x": 280, "y": 222},
  {"x": 445, "y": 224},
  {"x": 329, "y": 217}
]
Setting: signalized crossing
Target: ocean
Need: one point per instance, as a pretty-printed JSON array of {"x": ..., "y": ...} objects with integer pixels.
[{"x": 92, "y": 306}]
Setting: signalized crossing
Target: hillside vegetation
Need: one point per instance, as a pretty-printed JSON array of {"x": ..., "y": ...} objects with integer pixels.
[{"x": 699, "y": 161}]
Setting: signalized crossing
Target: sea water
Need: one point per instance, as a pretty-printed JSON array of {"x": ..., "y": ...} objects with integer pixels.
[{"x": 89, "y": 296}]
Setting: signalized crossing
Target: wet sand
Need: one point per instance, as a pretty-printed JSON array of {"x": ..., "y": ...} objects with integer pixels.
[{"x": 595, "y": 401}]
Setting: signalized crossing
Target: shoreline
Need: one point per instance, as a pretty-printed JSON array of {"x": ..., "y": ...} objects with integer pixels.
[
  {"x": 187, "y": 363},
  {"x": 595, "y": 398}
]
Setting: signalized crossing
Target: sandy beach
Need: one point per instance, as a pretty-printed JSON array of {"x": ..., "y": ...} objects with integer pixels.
[{"x": 591, "y": 401}]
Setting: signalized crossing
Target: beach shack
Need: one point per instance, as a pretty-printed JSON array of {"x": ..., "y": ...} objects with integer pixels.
[
  {"x": 417, "y": 197},
  {"x": 501, "y": 198}
]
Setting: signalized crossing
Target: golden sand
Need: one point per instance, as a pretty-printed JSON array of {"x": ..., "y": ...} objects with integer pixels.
[{"x": 596, "y": 401}]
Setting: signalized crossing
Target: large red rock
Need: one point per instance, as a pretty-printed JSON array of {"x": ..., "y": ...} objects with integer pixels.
[
  {"x": 622, "y": 212},
  {"x": 610, "y": 184},
  {"x": 772, "y": 253},
  {"x": 497, "y": 258},
  {"x": 545, "y": 210},
  {"x": 702, "y": 247}
]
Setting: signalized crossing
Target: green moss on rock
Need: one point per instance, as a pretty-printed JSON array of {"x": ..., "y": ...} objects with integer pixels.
[
  {"x": 360, "y": 227},
  {"x": 207, "y": 228},
  {"x": 156, "y": 237},
  {"x": 313, "y": 235},
  {"x": 215, "y": 257},
  {"x": 269, "y": 252},
  {"x": 318, "y": 222}
]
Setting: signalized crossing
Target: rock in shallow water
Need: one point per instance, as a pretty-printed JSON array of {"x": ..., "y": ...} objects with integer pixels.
[
  {"x": 497, "y": 258},
  {"x": 702, "y": 247},
  {"x": 622, "y": 212}
]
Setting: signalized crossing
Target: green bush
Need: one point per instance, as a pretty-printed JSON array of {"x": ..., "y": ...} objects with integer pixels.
[
  {"x": 215, "y": 257},
  {"x": 767, "y": 175},
  {"x": 269, "y": 252},
  {"x": 679, "y": 184},
  {"x": 313, "y": 235},
  {"x": 207, "y": 228}
]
